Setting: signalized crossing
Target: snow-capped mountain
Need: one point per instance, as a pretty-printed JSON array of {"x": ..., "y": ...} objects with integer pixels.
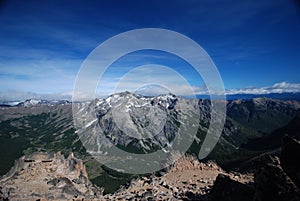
[
  {"x": 33, "y": 102},
  {"x": 142, "y": 123}
]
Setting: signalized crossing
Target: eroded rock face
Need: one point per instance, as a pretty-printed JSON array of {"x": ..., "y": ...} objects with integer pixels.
[{"x": 44, "y": 176}]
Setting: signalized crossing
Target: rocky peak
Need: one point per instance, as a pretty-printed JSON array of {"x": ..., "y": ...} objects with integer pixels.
[
  {"x": 29, "y": 103},
  {"x": 131, "y": 99},
  {"x": 147, "y": 122},
  {"x": 48, "y": 176}
]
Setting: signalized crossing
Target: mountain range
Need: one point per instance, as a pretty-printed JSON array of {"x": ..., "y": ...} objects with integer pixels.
[
  {"x": 7, "y": 99},
  {"x": 252, "y": 127}
]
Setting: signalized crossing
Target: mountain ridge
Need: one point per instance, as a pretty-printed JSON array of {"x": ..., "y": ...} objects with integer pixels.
[{"x": 50, "y": 128}]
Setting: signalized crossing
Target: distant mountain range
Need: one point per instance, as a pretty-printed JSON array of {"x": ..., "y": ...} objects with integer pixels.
[
  {"x": 279, "y": 96},
  {"x": 10, "y": 102},
  {"x": 32, "y": 102},
  {"x": 251, "y": 126}
]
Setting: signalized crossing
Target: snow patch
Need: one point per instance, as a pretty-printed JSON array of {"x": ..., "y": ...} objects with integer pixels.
[{"x": 90, "y": 123}]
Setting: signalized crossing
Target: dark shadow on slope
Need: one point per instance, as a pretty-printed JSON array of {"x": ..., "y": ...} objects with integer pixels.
[{"x": 273, "y": 140}]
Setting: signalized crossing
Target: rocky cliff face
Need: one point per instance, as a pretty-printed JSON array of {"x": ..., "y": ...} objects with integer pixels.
[{"x": 46, "y": 176}]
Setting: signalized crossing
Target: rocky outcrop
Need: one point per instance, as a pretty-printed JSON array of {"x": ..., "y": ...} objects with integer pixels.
[
  {"x": 54, "y": 177},
  {"x": 278, "y": 179},
  {"x": 272, "y": 183},
  {"x": 289, "y": 159},
  {"x": 187, "y": 179},
  {"x": 227, "y": 189},
  {"x": 255, "y": 164},
  {"x": 45, "y": 176},
  {"x": 189, "y": 162},
  {"x": 275, "y": 179}
]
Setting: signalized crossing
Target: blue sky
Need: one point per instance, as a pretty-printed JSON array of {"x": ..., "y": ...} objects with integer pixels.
[{"x": 254, "y": 44}]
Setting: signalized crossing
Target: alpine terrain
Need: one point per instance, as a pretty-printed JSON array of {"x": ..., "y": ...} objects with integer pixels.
[{"x": 43, "y": 134}]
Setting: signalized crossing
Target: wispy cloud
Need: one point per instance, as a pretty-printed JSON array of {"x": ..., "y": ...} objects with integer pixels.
[
  {"x": 41, "y": 76},
  {"x": 143, "y": 76},
  {"x": 282, "y": 87},
  {"x": 186, "y": 89},
  {"x": 21, "y": 96},
  {"x": 182, "y": 89}
]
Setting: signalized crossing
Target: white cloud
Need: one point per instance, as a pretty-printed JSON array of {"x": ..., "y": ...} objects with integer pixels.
[
  {"x": 20, "y": 96},
  {"x": 145, "y": 77},
  {"x": 151, "y": 89},
  {"x": 282, "y": 87}
]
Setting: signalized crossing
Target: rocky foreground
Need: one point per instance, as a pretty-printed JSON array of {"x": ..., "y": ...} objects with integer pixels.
[
  {"x": 52, "y": 177},
  {"x": 48, "y": 177},
  {"x": 188, "y": 179}
]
